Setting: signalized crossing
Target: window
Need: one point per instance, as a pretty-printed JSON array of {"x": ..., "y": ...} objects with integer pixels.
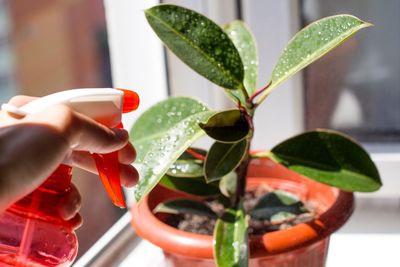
[
  {"x": 356, "y": 87},
  {"x": 7, "y": 78}
]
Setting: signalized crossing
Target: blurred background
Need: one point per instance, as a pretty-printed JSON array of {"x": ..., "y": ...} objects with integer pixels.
[
  {"x": 53, "y": 45},
  {"x": 48, "y": 46},
  {"x": 361, "y": 77}
]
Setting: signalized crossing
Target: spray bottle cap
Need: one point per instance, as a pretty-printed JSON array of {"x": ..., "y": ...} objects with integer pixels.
[{"x": 131, "y": 100}]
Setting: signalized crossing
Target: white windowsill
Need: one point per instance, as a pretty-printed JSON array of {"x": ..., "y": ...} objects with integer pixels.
[{"x": 345, "y": 250}]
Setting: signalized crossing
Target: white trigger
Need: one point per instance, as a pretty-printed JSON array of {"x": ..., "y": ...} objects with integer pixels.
[{"x": 13, "y": 109}]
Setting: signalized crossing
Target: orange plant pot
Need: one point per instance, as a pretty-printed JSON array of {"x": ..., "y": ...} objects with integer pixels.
[{"x": 304, "y": 245}]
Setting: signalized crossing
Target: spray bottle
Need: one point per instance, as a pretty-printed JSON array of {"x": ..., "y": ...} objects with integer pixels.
[{"x": 32, "y": 233}]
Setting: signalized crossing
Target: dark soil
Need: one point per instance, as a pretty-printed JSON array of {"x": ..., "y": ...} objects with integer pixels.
[{"x": 205, "y": 225}]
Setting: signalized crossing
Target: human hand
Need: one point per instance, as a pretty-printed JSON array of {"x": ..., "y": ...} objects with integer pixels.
[
  {"x": 36, "y": 144},
  {"x": 69, "y": 206}
]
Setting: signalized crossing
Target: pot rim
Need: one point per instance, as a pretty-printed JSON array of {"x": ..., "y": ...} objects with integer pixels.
[{"x": 170, "y": 239}]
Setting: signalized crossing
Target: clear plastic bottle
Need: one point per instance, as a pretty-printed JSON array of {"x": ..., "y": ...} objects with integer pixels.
[{"x": 32, "y": 233}]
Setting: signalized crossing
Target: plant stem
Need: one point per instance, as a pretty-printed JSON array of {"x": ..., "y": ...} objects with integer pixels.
[
  {"x": 195, "y": 154},
  {"x": 251, "y": 98},
  {"x": 241, "y": 179},
  {"x": 241, "y": 170},
  {"x": 265, "y": 92}
]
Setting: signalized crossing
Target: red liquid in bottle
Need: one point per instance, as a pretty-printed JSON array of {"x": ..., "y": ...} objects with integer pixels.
[{"x": 32, "y": 233}]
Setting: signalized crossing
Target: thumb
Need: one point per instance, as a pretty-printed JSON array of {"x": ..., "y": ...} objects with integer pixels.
[{"x": 81, "y": 132}]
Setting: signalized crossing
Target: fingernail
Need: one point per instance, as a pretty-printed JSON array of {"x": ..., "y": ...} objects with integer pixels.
[{"x": 121, "y": 134}]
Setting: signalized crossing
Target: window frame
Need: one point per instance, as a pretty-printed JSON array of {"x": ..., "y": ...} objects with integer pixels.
[{"x": 132, "y": 65}]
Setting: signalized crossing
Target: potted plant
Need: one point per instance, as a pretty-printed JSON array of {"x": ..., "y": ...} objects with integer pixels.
[{"x": 299, "y": 191}]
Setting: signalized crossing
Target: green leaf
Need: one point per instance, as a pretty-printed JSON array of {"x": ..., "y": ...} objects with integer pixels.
[
  {"x": 187, "y": 165},
  {"x": 246, "y": 45},
  {"x": 228, "y": 126},
  {"x": 275, "y": 203},
  {"x": 186, "y": 168},
  {"x": 227, "y": 185},
  {"x": 331, "y": 158},
  {"x": 222, "y": 158},
  {"x": 162, "y": 134},
  {"x": 313, "y": 42},
  {"x": 193, "y": 186},
  {"x": 198, "y": 42},
  {"x": 185, "y": 206},
  {"x": 230, "y": 239}
]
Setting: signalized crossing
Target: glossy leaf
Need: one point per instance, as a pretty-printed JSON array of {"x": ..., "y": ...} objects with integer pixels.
[
  {"x": 162, "y": 134},
  {"x": 230, "y": 239},
  {"x": 313, "y": 42},
  {"x": 227, "y": 126},
  {"x": 222, "y": 158},
  {"x": 193, "y": 186},
  {"x": 227, "y": 184},
  {"x": 198, "y": 42},
  {"x": 331, "y": 158},
  {"x": 186, "y": 168},
  {"x": 246, "y": 45},
  {"x": 276, "y": 202},
  {"x": 185, "y": 206}
]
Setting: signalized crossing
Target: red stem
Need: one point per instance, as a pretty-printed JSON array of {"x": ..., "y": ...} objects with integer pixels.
[
  {"x": 195, "y": 154},
  {"x": 251, "y": 98}
]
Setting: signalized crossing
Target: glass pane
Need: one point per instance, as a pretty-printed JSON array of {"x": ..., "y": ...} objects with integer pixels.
[
  {"x": 48, "y": 46},
  {"x": 355, "y": 88}
]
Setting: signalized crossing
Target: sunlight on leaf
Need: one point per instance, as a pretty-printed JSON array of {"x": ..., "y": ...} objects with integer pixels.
[
  {"x": 230, "y": 239},
  {"x": 311, "y": 43},
  {"x": 228, "y": 126},
  {"x": 162, "y": 134},
  {"x": 246, "y": 45},
  {"x": 198, "y": 42}
]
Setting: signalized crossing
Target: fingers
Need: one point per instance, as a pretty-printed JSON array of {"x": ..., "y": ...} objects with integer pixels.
[
  {"x": 70, "y": 203},
  {"x": 69, "y": 207},
  {"x": 84, "y": 159},
  {"x": 127, "y": 154},
  {"x": 81, "y": 132},
  {"x": 129, "y": 175}
]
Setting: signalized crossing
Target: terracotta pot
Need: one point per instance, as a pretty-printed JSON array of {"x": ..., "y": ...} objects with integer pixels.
[{"x": 304, "y": 245}]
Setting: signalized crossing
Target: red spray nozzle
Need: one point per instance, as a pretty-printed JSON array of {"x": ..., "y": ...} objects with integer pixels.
[
  {"x": 131, "y": 100},
  {"x": 108, "y": 167},
  {"x": 108, "y": 164}
]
